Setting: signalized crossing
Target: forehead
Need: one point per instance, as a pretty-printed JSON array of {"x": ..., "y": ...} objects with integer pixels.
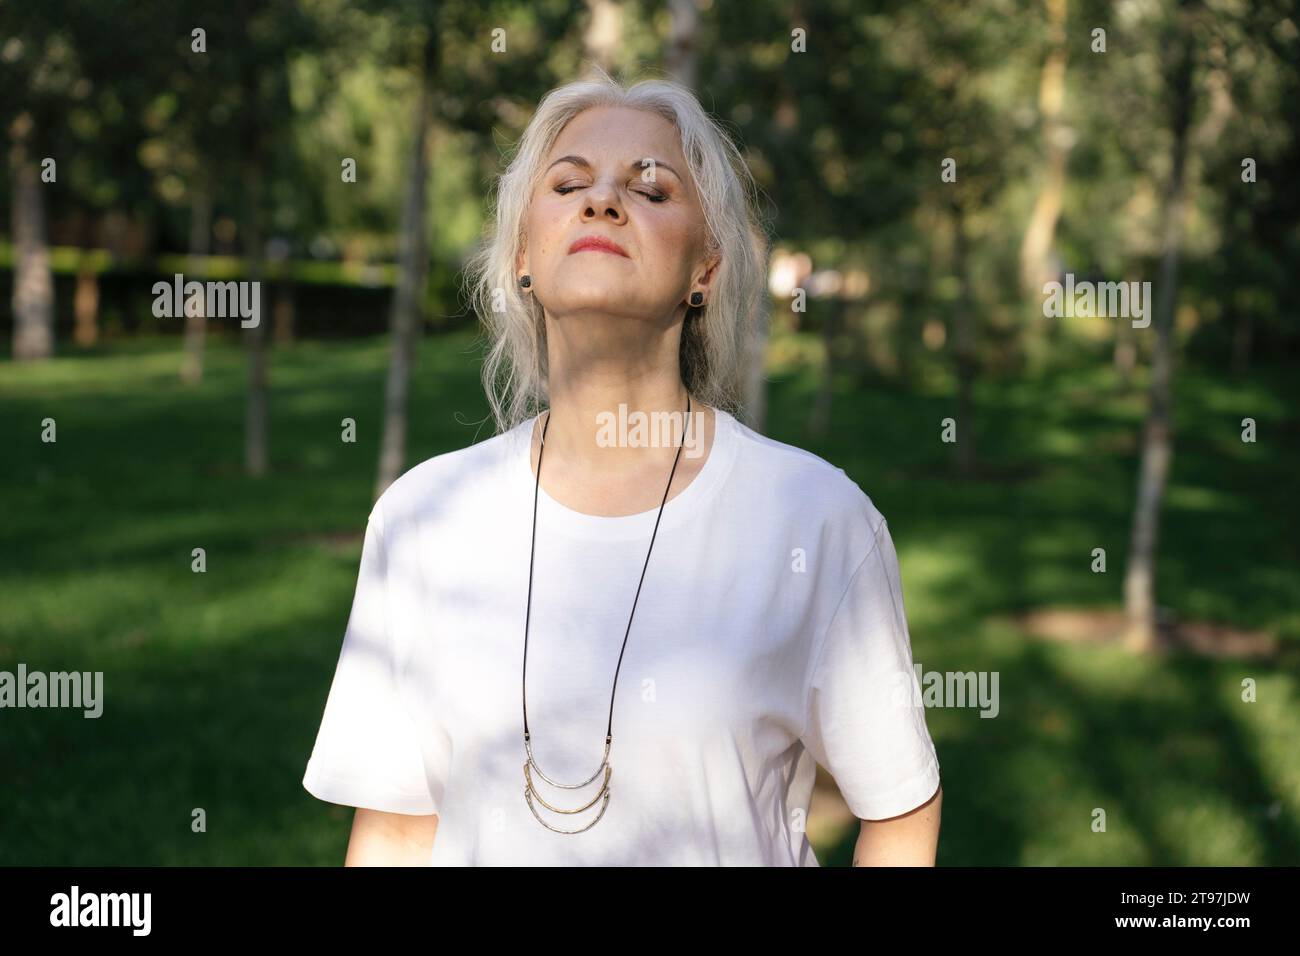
[{"x": 619, "y": 134}]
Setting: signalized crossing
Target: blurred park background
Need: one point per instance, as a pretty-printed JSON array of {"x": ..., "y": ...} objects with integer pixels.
[{"x": 926, "y": 168}]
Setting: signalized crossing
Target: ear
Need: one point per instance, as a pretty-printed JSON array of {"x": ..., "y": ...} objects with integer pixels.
[{"x": 710, "y": 269}]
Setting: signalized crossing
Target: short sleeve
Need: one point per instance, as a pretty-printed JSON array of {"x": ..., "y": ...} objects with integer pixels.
[
  {"x": 865, "y": 717},
  {"x": 367, "y": 751}
]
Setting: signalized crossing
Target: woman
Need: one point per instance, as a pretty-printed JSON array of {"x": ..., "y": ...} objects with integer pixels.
[{"x": 585, "y": 641}]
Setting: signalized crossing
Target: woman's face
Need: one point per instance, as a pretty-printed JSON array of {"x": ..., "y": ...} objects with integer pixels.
[{"x": 617, "y": 174}]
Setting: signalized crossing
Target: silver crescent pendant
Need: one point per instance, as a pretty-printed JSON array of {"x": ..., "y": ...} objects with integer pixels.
[
  {"x": 529, "y": 797},
  {"x": 528, "y": 747},
  {"x": 530, "y": 789}
]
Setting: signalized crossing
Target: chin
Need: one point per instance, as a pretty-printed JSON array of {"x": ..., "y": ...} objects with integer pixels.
[
  {"x": 585, "y": 295},
  {"x": 606, "y": 306}
]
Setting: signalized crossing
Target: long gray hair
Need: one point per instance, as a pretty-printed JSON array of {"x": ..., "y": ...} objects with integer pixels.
[{"x": 718, "y": 338}]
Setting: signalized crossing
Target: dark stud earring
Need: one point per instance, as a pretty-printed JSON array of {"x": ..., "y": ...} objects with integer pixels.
[
  {"x": 697, "y": 298},
  {"x": 526, "y": 281}
]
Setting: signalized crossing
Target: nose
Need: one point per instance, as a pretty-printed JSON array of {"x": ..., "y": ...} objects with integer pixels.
[{"x": 603, "y": 200}]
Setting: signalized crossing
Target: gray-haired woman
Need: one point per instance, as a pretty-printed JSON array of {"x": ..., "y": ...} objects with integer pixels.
[{"x": 623, "y": 630}]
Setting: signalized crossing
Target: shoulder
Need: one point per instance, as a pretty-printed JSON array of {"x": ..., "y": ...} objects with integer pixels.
[
  {"x": 439, "y": 484},
  {"x": 811, "y": 490}
]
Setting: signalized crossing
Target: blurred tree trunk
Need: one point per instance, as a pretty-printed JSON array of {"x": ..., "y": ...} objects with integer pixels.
[
  {"x": 1157, "y": 445},
  {"x": 683, "y": 27},
  {"x": 255, "y": 423},
  {"x": 33, "y": 293},
  {"x": 85, "y": 301},
  {"x": 832, "y": 320},
  {"x": 604, "y": 34},
  {"x": 404, "y": 317},
  {"x": 196, "y": 326},
  {"x": 1035, "y": 250},
  {"x": 963, "y": 345}
]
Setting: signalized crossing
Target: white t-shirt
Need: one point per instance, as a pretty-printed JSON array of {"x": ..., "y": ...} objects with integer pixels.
[{"x": 770, "y": 632}]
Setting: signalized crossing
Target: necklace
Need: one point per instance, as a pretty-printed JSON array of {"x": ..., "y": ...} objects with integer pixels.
[{"x": 530, "y": 765}]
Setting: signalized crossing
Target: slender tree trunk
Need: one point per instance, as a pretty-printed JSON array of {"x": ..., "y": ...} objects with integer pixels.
[
  {"x": 683, "y": 29},
  {"x": 33, "y": 293},
  {"x": 604, "y": 34},
  {"x": 1035, "y": 249},
  {"x": 963, "y": 347},
  {"x": 85, "y": 302},
  {"x": 820, "y": 419},
  {"x": 1157, "y": 444},
  {"x": 255, "y": 422},
  {"x": 196, "y": 326},
  {"x": 404, "y": 318}
]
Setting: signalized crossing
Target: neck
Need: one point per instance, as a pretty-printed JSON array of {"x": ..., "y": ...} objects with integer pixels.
[
  {"x": 613, "y": 424},
  {"x": 600, "y": 387}
]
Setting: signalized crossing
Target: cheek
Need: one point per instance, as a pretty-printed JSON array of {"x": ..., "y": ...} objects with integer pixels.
[
  {"x": 538, "y": 242},
  {"x": 544, "y": 218},
  {"x": 676, "y": 239},
  {"x": 669, "y": 229},
  {"x": 694, "y": 230}
]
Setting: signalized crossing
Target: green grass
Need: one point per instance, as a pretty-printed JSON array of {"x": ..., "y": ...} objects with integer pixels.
[{"x": 218, "y": 680}]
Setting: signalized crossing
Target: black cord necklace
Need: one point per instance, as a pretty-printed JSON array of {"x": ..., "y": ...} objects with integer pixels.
[{"x": 530, "y": 765}]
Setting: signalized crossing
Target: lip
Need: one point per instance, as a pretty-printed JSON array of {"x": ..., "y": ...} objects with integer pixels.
[{"x": 598, "y": 244}]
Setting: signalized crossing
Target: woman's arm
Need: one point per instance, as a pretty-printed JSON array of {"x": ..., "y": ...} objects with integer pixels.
[
  {"x": 390, "y": 839},
  {"x": 911, "y": 839}
]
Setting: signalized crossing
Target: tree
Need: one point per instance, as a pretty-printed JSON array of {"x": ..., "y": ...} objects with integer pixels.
[
  {"x": 1057, "y": 138},
  {"x": 38, "y": 60},
  {"x": 1157, "y": 440},
  {"x": 404, "y": 318},
  {"x": 33, "y": 295}
]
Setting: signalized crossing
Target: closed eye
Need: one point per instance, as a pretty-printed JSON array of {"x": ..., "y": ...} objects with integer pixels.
[{"x": 653, "y": 197}]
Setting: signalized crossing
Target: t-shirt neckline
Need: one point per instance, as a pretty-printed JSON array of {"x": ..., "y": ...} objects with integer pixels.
[{"x": 553, "y": 515}]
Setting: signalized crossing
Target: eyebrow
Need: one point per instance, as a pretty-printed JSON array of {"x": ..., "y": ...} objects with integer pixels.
[{"x": 636, "y": 164}]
